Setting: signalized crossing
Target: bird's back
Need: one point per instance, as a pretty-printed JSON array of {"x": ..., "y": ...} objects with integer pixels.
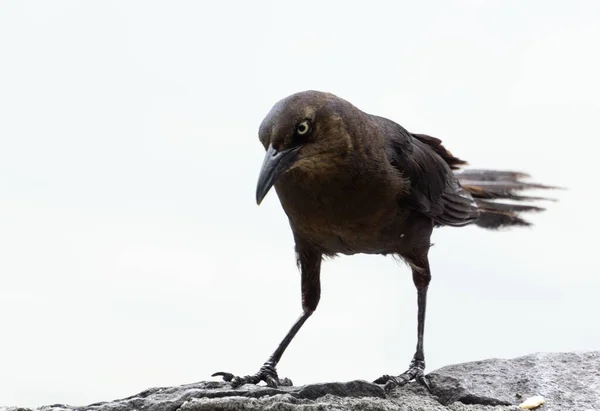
[
  {"x": 440, "y": 190},
  {"x": 433, "y": 189}
]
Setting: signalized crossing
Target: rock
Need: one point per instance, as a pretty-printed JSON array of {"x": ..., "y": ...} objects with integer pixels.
[{"x": 567, "y": 381}]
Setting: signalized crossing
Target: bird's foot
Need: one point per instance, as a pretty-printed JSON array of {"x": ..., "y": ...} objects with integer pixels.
[
  {"x": 415, "y": 372},
  {"x": 267, "y": 373}
]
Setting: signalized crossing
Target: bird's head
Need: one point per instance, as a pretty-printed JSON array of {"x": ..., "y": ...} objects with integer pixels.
[{"x": 305, "y": 131}]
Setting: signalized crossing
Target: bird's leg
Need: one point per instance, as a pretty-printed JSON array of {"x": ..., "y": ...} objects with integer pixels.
[
  {"x": 310, "y": 266},
  {"x": 416, "y": 370},
  {"x": 268, "y": 372}
]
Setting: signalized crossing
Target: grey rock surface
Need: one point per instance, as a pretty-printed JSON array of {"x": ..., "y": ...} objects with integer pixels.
[{"x": 567, "y": 381}]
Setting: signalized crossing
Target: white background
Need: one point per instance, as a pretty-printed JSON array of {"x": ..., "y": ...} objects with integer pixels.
[{"x": 132, "y": 253}]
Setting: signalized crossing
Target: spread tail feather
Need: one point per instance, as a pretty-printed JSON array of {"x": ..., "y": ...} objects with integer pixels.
[
  {"x": 497, "y": 193},
  {"x": 490, "y": 187}
]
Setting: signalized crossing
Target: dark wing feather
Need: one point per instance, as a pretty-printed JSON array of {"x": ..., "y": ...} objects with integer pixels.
[{"x": 434, "y": 189}]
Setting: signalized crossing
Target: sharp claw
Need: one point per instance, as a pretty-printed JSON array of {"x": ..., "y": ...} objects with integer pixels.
[
  {"x": 267, "y": 373},
  {"x": 425, "y": 382},
  {"x": 415, "y": 372},
  {"x": 237, "y": 381},
  {"x": 395, "y": 382},
  {"x": 271, "y": 382},
  {"x": 382, "y": 380},
  {"x": 227, "y": 376}
]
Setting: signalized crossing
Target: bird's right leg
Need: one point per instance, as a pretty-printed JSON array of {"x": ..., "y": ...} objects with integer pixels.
[{"x": 310, "y": 267}]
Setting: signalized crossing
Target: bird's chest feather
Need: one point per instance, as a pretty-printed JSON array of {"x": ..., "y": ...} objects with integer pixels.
[{"x": 342, "y": 213}]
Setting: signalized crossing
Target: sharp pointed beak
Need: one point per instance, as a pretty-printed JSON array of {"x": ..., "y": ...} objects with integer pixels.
[{"x": 276, "y": 163}]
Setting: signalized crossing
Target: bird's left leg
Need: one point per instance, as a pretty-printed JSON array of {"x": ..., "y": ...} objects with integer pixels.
[
  {"x": 310, "y": 267},
  {"x": 416, "y": 371}
]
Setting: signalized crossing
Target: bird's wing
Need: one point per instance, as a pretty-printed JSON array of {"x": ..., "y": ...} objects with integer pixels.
[{"x": 434, "y": 189}]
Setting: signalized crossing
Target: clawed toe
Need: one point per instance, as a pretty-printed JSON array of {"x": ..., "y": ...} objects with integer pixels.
[
  {"x": 267, "y": 373},
  {"x": 227, "y": 376},
  {"x": 423, "y": 380},
  {"x": 383, "y": 379},
  {"x": 237, "y": 381},
  {"x": 415, "y": 372}
]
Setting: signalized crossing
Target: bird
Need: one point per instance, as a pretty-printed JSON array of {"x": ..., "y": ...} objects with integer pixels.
[{"x": 351, "y": 182}]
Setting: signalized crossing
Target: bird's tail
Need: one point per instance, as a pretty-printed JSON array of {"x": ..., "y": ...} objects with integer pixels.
[{"x": 497, "y": 194}]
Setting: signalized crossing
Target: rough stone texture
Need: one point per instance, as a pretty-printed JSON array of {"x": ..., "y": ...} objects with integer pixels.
[{"x": 568, "y": 381}]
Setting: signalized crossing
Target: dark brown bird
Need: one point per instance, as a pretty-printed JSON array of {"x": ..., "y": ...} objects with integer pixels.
[{"x": 352, "y": 182}]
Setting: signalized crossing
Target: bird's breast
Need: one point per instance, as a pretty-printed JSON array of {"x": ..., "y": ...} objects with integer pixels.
[{"x": 343, "y": 214}]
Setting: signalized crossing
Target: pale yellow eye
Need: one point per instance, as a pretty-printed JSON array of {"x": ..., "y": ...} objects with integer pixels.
[{"x": 303, "y": 127}]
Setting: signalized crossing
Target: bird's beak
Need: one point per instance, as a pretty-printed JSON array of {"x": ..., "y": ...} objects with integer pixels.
[{"x": 276, "y": 163}]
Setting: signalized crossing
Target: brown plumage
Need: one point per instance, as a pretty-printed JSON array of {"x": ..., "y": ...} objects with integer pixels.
[{"x": 351, "y": 182}]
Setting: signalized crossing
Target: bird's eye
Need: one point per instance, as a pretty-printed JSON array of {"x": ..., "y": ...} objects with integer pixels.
[{"x": 303, "y": 127}]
